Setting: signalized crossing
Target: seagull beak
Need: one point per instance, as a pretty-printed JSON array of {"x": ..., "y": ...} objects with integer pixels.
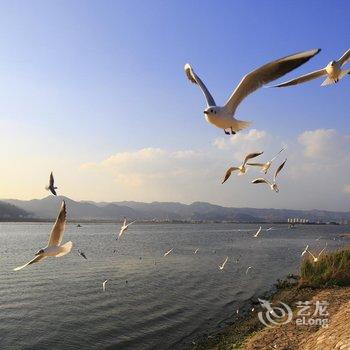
[{"x": 206, "y": 112}]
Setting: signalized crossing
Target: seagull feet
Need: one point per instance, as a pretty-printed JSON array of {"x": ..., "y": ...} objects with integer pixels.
[
  {"x": 233, "y": 132},
  {"x": 226, "y": 132}
]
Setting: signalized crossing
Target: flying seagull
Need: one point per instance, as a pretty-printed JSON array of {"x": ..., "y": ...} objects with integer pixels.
[
  {"x": 257, "y": 233},
  {"x": 318, "y": 256},
  {"x": 104, "y": 285},
  {"x": 82, "y": 254},
  {"x": 249, "y": 267},
  {"x": 266, "y": 166},
  {"x": 53, "y": 247},
  {"x": 195, "y": 252},
  {"x": 242, "y": 168},
  {"x": 272, "y": 185},
  {"x": 305, "y": 250},
  {"x": 333, "y": 71},
  {"x": 124, "y": 227},
  {"x": 223, "y": 116},
  {"x": 51, "y": 186},
  {"x": 168, "y": 252},
  {"x": 221, "y": 267}
]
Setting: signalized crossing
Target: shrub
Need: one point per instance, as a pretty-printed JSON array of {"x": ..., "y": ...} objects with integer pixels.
[{"x": 332, "y": 269}]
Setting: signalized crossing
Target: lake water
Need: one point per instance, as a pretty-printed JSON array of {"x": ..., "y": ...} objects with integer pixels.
[{"x": 167, "y": 301}]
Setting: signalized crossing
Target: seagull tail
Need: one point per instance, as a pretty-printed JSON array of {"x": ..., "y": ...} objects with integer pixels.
[
  {"x": 64, "y": 249},
  {"x": 241, "y": 124}
]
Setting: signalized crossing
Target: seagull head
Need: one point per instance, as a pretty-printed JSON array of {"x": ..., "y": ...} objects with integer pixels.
[
  {"x": 211, "y": 111},
  {"x": 39, "y": 252}
]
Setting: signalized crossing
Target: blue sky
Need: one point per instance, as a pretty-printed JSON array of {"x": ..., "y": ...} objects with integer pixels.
[{"x": 85, "y": 80}]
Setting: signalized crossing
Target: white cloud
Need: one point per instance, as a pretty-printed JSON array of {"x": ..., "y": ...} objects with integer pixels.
[
  {"x": 324, "y": 143},
  {"x": 307, "y": 181},
  {"x": 246, "y": 142}
]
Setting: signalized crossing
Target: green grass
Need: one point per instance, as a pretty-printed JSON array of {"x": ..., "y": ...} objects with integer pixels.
[{"x": 332, "y": 269}]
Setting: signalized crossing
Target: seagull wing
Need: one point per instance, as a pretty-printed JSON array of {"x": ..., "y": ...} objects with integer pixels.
[
  {"x": 228, "y": 173},
  {"x": 251, "y": 155},
  {"x": 257, "y": 164},
  {"x": 345, "y": 58},
  {"x": 265, "y": 74},
  {"x": 36, "y": 259},
  {"x": 57, "y": 231},
  {"x": 130, "y": 223},
  {"x": 257, "y": 233},
  {"x": 261, "y": 180},
  {"x": 277, "y": 154},
  {"x": 303, "y": 78},
  {"x": 51, "y": 181},
  {"x": 193, "y": 77},
  {"x": 319, "y": 254},
  {"x": 279, "y": 169}
]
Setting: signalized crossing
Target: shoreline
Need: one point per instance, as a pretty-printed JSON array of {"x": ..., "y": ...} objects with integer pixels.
[{"x": 246, "y": 332}]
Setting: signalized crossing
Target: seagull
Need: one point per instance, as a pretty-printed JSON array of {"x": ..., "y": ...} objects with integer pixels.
[
  {"x": 257, "y": 233},
  {"x": 269, "y": 229},
  {"x": 266, "y": 166},
  {"x": 249, "y": 267},
  {"x": 333, "y": 71},
  {"x": 305, "y": 250},
  {"x": 168, "y": 252},
  {"x": 195, "y": 252},
  {"x": 242, "y": 168},
  {"x": 51, "y": 187},
  {"x": 104, "y": 285},
  {"x": 318, "y": 256},
  {"x": 272, "y": 185},
  {"x": 82, "y": 254},
  {"x": 221, "y": 267},
  {"x": 223, "y": 116},
  {"x": 53, "y": 247},
  {"x": 124, "y": 227}
]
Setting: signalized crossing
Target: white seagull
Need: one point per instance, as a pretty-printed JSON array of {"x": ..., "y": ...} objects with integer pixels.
[
  {"x": 305, "y": 250},
  {"x": 223, "y": 116},
  {"x": 168, "y": 252},
  {"x": 257, "y": 233},
  {"x": 195, "y": 252},
  {"x": 124, "y": 227},
  {"x": 221, "y": 267},
  {"x": 318, "y": 256},
  {"x": 273, "y": 185},
  {"x": 266, "y": 166},
  {"x": 333, "y": 71},
  {"x": 242, "y": 168},
  {"x": 104, "y": 285},
  {"x": 249, "y": 267},
  {"x": 51, "y": 186},
  {"x": 53, "y": 247}
]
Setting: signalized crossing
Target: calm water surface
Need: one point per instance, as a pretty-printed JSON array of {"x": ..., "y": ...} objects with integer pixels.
[{"x": 165, "y": 303}]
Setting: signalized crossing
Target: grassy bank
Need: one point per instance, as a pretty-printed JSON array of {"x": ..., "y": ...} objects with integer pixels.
[{"x": 327, "y": 278}]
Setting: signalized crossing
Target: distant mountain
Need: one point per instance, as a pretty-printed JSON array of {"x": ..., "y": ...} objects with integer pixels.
[
  {"x": 47, "y": 208},
  {"x": 11, "y": 212}
]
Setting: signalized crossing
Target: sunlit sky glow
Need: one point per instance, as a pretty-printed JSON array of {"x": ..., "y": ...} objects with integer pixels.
[{"x": 95, "y": 92}]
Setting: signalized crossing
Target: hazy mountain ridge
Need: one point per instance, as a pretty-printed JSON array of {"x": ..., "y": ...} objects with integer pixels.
[
  {"x": 11, "y": 212},
  {"x": 47, "y": 208}
]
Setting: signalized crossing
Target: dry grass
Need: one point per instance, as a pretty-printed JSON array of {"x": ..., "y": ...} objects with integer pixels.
[{"x": 332, "y": 269}]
